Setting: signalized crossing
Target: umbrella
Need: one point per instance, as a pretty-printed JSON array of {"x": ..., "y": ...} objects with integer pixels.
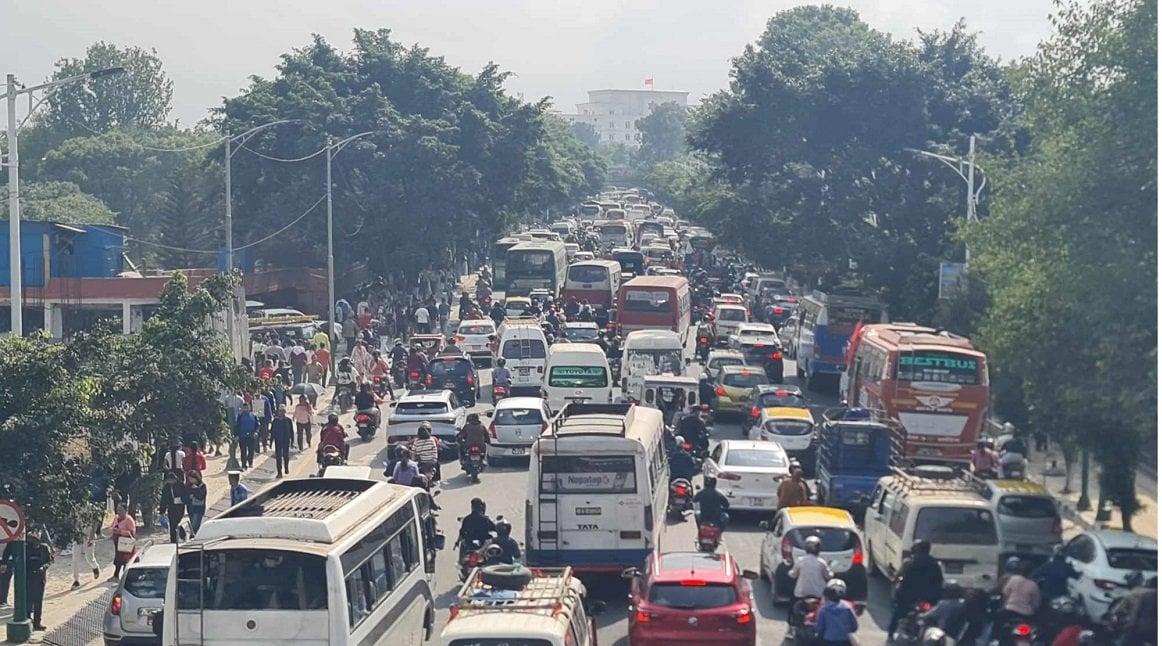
[{"x": 308, "y": 389}]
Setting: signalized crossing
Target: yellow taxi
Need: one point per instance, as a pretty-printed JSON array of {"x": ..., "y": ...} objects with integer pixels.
[
  {"x": 793, "y": 428},
  {"x": 785, "y": 542}
]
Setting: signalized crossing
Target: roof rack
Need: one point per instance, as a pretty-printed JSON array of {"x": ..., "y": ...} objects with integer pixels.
[
  {"x": 592, "y": 419},
  {"x": 545, "y": 594},
  {"x": 925, "y": 479}
]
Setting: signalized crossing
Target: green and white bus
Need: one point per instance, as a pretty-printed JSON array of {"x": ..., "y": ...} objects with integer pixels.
[
  {"x": 540, "y": 264},
  {"x": 500, "y": 262}
]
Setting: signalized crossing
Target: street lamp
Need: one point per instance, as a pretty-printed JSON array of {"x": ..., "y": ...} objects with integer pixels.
[
  {"x": 333, "y": 148},
  {"x": 16, "y": 280},
  {"x": 966, "y": 168}
]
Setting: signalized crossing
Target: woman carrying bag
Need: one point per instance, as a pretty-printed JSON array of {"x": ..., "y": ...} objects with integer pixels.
[{"x": 124, "y": 530}]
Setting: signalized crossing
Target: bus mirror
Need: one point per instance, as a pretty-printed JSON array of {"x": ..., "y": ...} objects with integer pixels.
[
  {"x": 750, "y": 574},
  {"x": 764, "y": 525},
  {"x": 689, "y": 360},
  {"x": 630, "y": 573}
]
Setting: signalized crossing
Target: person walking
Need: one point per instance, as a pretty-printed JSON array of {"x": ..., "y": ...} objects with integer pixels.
[
  {"x": 174, "y": 456},
  {"x": 423, "y": 320},
  {"x": 264, "y": 410},
  {"x": 282, "y": 434},
  {"x": 246, "y": 431},
  {"x": 304, "y": 414},
  {"x": 37, "y": 558},
  {"x": 124, "y": 531},
  {"x": 6, "y": 560},
  {"x": 173, "y": 502},
  {"x": 195, "y": 500},
  {"x": 84, "y": 550},
  {"x": 350, "y": 333},
  {"x": 444, "y": 311},
  {"x": 195, "y": 460}
]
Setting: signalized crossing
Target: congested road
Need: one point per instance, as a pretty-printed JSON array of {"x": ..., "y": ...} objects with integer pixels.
[{"x": 503, "y": 489}]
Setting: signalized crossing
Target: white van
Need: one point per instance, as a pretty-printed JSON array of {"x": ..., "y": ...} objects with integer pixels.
[
  {"x": 549, "y": 610},
  {"x": 941, "y": 505},
  {"x": 577, "y": 370},
  {"x": 525, "y": 350},
  {"x": 649, "y": 352}
]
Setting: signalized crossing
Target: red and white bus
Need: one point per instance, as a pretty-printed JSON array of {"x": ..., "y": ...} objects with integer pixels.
[
  {"x": 654, "y": 303},
  {"x": 935, "y": 384},
  {"x": 596, "y": 281}
]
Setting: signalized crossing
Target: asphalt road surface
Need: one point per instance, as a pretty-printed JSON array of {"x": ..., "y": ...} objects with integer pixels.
[{"x": 503, "y": 489}]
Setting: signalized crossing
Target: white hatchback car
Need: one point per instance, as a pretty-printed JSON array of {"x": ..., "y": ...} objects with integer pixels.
[
  {"x": 1108, "y": 560},
  {"x": 516, "y": 423},
  {"x": 472, "y": 337},
  {"x": 748, "y": 473},
  {"x": 757, "y": 333}
]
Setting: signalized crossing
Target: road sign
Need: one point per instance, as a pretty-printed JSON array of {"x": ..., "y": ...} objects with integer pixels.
[
  {"x": 11, "y": 521},
  {"x": 953, "y": 279}
]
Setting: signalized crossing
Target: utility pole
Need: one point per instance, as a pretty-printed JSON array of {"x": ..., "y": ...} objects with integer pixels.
[
  {"x": 966, "y": 169},
  {"x": 331, "y": 258}
]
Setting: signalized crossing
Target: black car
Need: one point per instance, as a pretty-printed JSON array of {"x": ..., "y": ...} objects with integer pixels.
[
  {"x": 456, "y": 373},
  {"x": 767, "y": 355}
]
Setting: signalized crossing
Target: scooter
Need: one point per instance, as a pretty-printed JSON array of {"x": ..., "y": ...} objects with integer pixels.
[
  {"x": 365, "y": 425},
  {"x": 381, "y": 385},
  {"x": 499, "y": 392},
  {"x": 911, "y": 629},
  {"x": 474, "y": 463},
  {"x": 346, "y": 397},
  {"x": 1014, "y": 466},
  {"x": 415, "y": 380},
  {"x": 332, "y": 457},
  {"x": 681, "y": 499},
  {"x": 709, "y": 537},
  {"x": 399, "y": 373}
]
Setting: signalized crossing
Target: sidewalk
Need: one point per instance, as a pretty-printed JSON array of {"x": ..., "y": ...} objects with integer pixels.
[
  {"x": 1041, "y": 471},
  {"x": 74, "y": 617}
]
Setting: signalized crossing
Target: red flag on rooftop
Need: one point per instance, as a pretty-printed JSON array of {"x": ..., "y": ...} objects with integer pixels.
[{"x": 650, "y": 82}]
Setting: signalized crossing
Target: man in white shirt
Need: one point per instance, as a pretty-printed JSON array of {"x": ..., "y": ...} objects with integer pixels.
[{"x": 423, "y": 320}]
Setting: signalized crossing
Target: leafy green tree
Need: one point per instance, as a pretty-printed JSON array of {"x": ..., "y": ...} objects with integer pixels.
[
  {"x": 586, "y": 134},
  {"x": 138, "y": 99},
  {"x": 1072, "y": 237},
  {"x": 62, "y": 202},
  {"x": 663, "y": 132}
]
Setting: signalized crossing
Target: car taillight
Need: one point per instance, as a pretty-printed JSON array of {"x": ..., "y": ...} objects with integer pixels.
[
  {"x": 1023, "y": 630},
  {"x": 115, "y": 605},
  {"x": 492, "y": 430},
  {"x": 458, "y": 338},
  {"x": 1104, "y": 584},
  {"x": 429, "y": 380},
  {"x": 642, "y": 617},
  {"x": 471, "y": 380},
  {"x": 720, "y": 391},
  {"x": 544, "y": 426},
  {"x": 364, "y": 418},
  {"x": 778, "y": 310},
  {"x": 726, "y": 475},
  {"x": 744, "y": 616},
  {"x": 754, "y": 411},
  {"x": 776, "y": 355},
  {"x": 785, "y": 548},
  {"x": 924, "y": 606},
  {"x": 856, "y": 551}
]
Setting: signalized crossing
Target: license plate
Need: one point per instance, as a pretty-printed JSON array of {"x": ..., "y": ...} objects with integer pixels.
[
  {"x": 524, "y": 371},
  {"x": 928, "y": 452},
  {"x": 756, "y": 501},
  {"x": 954, "y": 568},
  {"x": 588, "y": 511},
  {"x": 518, "y": 451},
  {"x": 148, "y": 614}
]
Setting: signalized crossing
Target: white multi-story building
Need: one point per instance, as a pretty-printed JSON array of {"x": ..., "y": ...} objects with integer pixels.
[{"x": 613, "y": 112}]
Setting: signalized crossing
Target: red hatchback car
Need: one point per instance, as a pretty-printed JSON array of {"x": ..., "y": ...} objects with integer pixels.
[{"x": 691, "y": 598}]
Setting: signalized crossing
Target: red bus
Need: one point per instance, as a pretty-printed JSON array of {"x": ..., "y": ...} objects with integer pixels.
[
  {"x": 935, "y": 384},
  {"x": 654, "y": 303}
]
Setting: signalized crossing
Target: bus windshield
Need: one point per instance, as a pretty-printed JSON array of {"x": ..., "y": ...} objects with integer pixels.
[
  {"x": 937, "y": 366},
  {"x": 647, "y": 301},
  {"x": 655, "y": 362},
  {"x": 530, "y": 264},
  {"x": 845, "y": 318},
  {"x": 588, "y": 274}
]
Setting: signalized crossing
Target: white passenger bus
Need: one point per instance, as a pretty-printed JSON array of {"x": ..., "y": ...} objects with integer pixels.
[
  {"x": 308, "y": 561},
  {"x": 598, "y": 485}
]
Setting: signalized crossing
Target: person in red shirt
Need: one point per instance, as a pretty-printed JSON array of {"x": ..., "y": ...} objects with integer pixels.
[
  {"x": 332, "y": 434},
  {"x": 194, "y": 460},
  {"x": 323, "y": 357},
  {"x": 266, "y": 371}
]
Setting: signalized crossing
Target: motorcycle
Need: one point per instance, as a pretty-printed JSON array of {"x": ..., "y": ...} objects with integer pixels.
[
  {"x": 803, "y": 618},
  {"x": 911, "y": 628},
  {"x": 681, "y": 499},
  {"x": 709, "y": 537},
  {"x": 474, "y": 463},
  {"x": 469, "y": 557},
  {"x": 431, "y": 472},
  {"x": 415, "y": 380},
  {"x": 346, "y": 397},
  {"x": 702, "y": 350},
  {"x": 366, "y": 425},
  {"x": 332, "y": 457},
  {"x": 399, "y": 373},
  {"x": 499, "y": 392},
  {"x": 1013, "y": 466},
  {"x": 381, "y": 385}
]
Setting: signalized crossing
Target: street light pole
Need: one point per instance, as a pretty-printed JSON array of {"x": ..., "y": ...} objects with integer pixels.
[
  {"x": 12, "y": 90},
  {"x": 966, "y": 169},
  {"x": 229, "y": 211},
  {"x": 330, "y": 260}
]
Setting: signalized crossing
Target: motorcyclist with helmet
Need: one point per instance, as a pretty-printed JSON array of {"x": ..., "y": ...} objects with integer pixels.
[
  {"x": 332, "y": 435},
  {"x": 1021, "y": 598},
  {"x": 346, "y": 377},
  {"x": 811, "y": 574},
  {"x": 1053, "y": 576},
  {"x": 711, "y": 505},
  {"x": 692, "y": 427},
  {"x": 835, "y": 621},
  {"x": 985, "y": 460},
  {"x": 473, "y": 435},
  {"x": 450, "y": 347},
  {"x": 417, "y": 362},
  {"x": 497, "y": 313},
  {"x": 500, "y": 374},
  {"x": 476, "y": 526},
  {"x": 510, "y": 549},
  {"x": 398, "y": 353},
  {"x": 682, "y": 464},
  {"x": 920, "y": 579}
]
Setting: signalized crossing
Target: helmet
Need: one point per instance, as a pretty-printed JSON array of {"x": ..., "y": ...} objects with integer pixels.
[
  {"x": 921, "y": 547},
  {"x": 1065, "y": 606},
  {"x": 813, "y": 545},
  {"x": 451, "y": 339},
  {"x": 493, "y": 552},
  {"x": 710, "y": 482},
  {"x": 427, "y": 426},
  {"x": 477, "y": 504},
  {"x": 837, "y": 586},
  {"x": 398, "y": 343},
  {"x": 932, "y": 636},
  {"x": 503, "y": 528},
  {"x": 500, "y": 362},
  {"x": 1012, "y": 564},
  {"x": 332, "y": 419}
]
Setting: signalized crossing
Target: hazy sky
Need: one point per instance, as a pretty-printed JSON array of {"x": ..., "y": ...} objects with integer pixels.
[{"x": 559, "y": 48}]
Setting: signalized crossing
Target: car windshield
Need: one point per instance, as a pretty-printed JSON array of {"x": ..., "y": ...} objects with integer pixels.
[
  {"x": 745, "y": 379},
  {"x": 754, "y": 458},
  {"x": 956, "y": 526},
  {"x": 421, "y": 408},
  {"x": 783, "y": 400},
  {"x": 731, "y": 314},
  {"x": 715, "y": 364},
  {"x": 580, "y": 333},
  {"x": 834, "y": 539},
  {"x": 517, "y": 417},
  {"x": 478, "y": 329},
  {"x": 146, "y": 582},
  {"x": 444, "y": 368},
  {"x": 1132, "y": 559},
  {"x": 692, "y": 597},
  {"x": 1027, "y": 506}
]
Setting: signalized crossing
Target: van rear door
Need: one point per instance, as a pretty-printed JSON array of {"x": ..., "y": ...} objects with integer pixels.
[{"x": 597, "y": 503}]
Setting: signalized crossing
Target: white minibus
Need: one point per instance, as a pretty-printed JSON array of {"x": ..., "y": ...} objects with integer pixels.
[
  {"x": 308, "y": 561},
  {"x": 649, "y": 352},
  {"x": 576, "y": 371},
  {"x": 525, "y": 349},
  {"x": 598, "y": 485}
]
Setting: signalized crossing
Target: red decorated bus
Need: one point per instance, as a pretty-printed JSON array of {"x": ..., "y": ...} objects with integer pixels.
[{"x": 935, "y": 384}]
